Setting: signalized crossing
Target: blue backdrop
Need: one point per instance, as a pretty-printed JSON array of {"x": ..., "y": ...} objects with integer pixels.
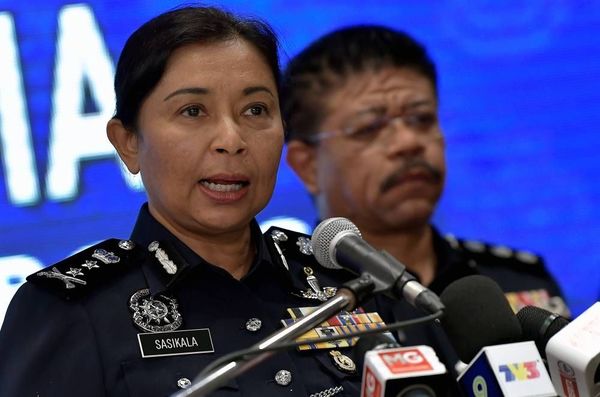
[{"x": 519, "y": 102}]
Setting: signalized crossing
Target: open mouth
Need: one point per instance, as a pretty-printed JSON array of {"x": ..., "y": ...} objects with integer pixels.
[{"x": 224, "y": 186}]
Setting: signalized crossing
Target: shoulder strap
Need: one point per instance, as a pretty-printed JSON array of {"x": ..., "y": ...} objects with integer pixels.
[{"x": 81, "y": 273}]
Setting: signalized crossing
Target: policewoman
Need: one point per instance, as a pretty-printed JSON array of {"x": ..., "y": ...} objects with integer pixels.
[{"x": 197, "y": 116}]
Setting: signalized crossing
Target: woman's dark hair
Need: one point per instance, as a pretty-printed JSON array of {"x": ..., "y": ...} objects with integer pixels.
[
  {"x": 329, "y": 61},
  {"x": 144, "y": 58}
]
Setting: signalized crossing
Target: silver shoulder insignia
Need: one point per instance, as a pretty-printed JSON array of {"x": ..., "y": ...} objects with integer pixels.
[
  {"x": 90, "y": 264},
  {"x": 127, "y": 245},
  {"x": 68, "y": 280},
  {"x": 105, "y": 256},
  {"x": 527, "y": 257},
  {"x": 501, "y": 251},
  {"x": 73, "y": 271},
  {"x": 474, "y": 246},
  {"x": 157, "y": 314}
]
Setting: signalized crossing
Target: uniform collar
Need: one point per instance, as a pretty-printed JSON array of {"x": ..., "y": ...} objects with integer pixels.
[{"x": 148, "y": 230}]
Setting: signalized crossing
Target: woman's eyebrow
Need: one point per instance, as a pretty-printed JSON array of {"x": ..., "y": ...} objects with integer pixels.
[{"x": 188, "y": 90}]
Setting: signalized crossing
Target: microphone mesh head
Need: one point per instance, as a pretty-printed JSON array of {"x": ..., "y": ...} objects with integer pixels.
[
  {"x": 539, "y": 325},
  {"x": 325, "y": 235}
]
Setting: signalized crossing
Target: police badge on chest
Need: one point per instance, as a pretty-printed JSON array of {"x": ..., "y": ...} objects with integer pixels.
[{"x": 160, "y": 319}]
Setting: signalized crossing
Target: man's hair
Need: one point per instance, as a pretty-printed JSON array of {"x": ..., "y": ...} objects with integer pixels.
[
  {"x": 332, "y": 59},
  {"x": 147, "y": 51}
]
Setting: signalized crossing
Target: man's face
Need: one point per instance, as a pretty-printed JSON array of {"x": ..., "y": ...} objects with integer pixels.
[{"x": 380, "y": 159}]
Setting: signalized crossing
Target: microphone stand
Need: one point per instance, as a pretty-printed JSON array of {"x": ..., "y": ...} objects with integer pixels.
[{"x": 347, "y": 298}]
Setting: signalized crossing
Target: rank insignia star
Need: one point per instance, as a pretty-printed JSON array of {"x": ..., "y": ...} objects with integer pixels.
[
  {"x": 90, "y": 265},
  {"x": 74, "y": 272}
]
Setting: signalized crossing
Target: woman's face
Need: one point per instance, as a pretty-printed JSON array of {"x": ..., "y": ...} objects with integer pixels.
[{"x": 209, "y": 138}]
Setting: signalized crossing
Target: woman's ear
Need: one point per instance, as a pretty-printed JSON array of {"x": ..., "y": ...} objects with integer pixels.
[
  {"x": 125, "y": 142},
  {"x": 302, "y": 159}
]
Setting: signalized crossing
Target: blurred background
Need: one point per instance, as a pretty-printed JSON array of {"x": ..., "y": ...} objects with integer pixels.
[{"x": 519, "y": 90}]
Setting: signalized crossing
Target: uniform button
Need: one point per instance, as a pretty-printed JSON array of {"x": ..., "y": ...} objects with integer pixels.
[
  {"x": 253, "y": 324},
  {"x": 283, "y": 377},
  {"x": 127, "y": 245},
  {"x": 279, "y": 236},
  {"x": 184, "y": 383}
]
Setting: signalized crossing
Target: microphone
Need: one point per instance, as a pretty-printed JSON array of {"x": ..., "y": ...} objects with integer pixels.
[
  {"x": 485, "y": 332},
  {"x": 539, "y": 325},
  {"x": 572, "y": 349},
  {"x": 477, "y": 315},
  {"x": 393, "y": 371},
  {"x": 337, "y": 244}
]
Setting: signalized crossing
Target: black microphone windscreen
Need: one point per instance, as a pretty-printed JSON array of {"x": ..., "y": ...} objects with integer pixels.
[
  {"x": 539, "y": 325},
  {"x": 477, "y": 315}
]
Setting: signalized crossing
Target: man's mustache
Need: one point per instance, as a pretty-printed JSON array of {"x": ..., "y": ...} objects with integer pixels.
[{"x": 409, "y": 166}]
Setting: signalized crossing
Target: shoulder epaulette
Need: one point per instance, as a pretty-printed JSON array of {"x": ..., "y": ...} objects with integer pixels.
[
  {"x": 83, "y": 272},
  {"x": 498, "y": 254}
]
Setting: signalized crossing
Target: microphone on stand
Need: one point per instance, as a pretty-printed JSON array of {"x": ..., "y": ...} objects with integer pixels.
[{"x": 337, "y": 244}]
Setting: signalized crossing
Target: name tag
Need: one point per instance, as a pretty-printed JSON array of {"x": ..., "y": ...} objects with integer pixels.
[{"x": 176, "y": 343}]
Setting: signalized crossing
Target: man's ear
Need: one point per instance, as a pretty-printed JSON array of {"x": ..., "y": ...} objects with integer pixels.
[
  {"x": 302, "y": 158},
  {"x": 125, "y": 142}
]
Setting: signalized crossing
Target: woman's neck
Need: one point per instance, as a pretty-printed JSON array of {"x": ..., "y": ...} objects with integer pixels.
[
  {"x": 232, "y": 251},
  {"x": 234, "y": 254}
]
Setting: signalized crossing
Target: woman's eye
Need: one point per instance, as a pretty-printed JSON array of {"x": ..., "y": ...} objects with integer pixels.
[
  {"x": 192, "y": 111},
  {"x": 256, "y": 110}
]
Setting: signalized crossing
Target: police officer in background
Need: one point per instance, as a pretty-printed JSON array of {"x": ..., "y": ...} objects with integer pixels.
[
  {"x": 197, "y": 115},
  {"x": 360, "y": 106}
]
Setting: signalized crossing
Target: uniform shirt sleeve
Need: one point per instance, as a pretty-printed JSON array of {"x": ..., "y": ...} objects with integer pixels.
[{"x": 48, "y": 348}]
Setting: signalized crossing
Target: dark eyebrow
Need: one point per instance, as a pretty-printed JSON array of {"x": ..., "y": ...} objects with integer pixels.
[
  {"x": 416, "y": 104},
  {"x": 258, "y": 88},
  {"x": 188, "y": 90}
]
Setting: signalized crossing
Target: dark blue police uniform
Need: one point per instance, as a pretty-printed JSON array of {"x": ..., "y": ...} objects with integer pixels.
[
  {"x": 72, "y": 329},
  {"x": 122, "y": 317}
]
